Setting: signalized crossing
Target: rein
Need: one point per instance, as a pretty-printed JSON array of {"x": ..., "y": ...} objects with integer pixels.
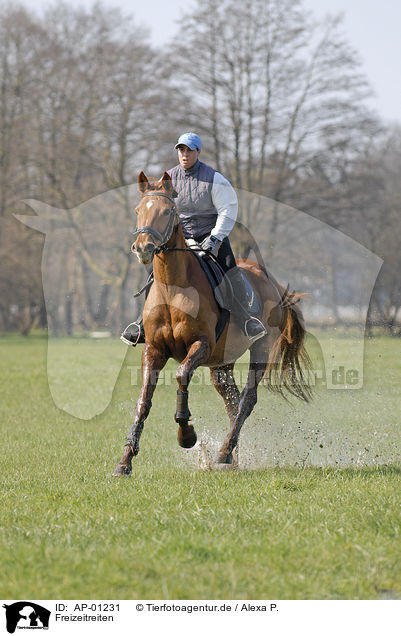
[{"x": 158, "y": 250}]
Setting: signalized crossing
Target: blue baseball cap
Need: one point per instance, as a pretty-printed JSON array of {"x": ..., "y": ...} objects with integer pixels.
[{"x": 190, "y": 139}]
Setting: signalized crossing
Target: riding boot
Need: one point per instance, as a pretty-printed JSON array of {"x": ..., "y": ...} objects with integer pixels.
[
  {"x": 251, "y": 326},
  {"x": 134, "y": 333}
]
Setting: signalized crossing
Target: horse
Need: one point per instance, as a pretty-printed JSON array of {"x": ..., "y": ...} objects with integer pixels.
[{"x": 180, "y": 316}]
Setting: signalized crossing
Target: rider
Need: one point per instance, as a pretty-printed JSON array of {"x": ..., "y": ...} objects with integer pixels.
[{"x": 208, "y": 207}]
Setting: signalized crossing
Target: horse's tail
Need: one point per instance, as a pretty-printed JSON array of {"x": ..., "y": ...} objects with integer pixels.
[{"x": 289, "y": 363}]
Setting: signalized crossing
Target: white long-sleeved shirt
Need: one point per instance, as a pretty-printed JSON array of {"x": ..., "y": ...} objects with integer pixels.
[{"x": 226, "y": 203}]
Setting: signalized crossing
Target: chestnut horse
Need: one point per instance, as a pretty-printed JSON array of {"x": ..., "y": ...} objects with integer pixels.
[{"x": 180, "y": 316}]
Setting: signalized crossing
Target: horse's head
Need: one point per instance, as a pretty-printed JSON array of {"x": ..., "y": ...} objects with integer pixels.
[{"x": 157, "y": 216}]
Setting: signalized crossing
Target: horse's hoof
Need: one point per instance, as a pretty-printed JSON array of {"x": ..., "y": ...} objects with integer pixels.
[
  {"x": 226, "y": 462},
  {"x": 187, "y": 439},
  {"x": 222, "y": 458},
  {"x": 221, "y": 466},
  {"x": 122, "y": 471}
]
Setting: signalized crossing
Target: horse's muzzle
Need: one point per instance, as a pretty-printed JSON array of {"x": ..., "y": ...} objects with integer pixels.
[{"x": 144, "y": 249}]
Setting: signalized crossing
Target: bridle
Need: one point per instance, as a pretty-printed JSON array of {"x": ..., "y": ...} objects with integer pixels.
[{"x": 164, "y": 238}]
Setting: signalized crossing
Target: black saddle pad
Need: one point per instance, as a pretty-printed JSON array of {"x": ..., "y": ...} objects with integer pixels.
[{"x": 223, "y": 291}]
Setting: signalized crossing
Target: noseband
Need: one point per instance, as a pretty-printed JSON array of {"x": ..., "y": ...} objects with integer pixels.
[{"x": 147, "y": 229}]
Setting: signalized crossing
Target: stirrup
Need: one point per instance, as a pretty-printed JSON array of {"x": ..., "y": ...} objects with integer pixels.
[
  {"x": 260, "y": 334},
  {"x": 139, "y": 336}
]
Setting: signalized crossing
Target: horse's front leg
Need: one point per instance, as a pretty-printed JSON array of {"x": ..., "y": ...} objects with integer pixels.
[
  {"x": 152, "y": 363},
  {"x": 198, "y": 353}
]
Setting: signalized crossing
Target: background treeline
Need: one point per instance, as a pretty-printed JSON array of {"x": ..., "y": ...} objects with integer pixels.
[{"x": 86, "y": 102}]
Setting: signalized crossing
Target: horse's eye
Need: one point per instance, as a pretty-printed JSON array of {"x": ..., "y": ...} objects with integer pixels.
[{"x": 166, "y": 212}]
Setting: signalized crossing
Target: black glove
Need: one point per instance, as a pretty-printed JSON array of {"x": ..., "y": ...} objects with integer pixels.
[{"x": 211, "y": 244}]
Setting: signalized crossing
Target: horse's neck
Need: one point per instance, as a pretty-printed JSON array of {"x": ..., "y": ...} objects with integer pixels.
[{"x": 171, "y": 268}]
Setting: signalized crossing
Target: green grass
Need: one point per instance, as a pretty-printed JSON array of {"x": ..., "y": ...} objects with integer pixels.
[{"x": 314, "y": 512}]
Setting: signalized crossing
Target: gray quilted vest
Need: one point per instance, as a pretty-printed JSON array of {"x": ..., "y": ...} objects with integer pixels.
[{"x": 194, "y": 202}]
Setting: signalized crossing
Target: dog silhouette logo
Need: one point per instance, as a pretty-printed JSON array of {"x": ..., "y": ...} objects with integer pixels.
[{"x": 26, "y": 615}]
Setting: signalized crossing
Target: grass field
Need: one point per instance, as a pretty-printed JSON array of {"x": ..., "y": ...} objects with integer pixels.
[{"x": 314, "y": 511}]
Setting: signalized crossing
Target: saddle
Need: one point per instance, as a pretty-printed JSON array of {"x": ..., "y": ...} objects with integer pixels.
[{"x": 223, "y": 291}]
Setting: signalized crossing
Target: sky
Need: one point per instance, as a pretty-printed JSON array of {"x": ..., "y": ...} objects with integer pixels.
[{"x": 371, "y": 26}]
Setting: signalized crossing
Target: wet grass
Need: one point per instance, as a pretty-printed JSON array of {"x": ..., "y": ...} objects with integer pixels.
[{"x": 306, "y": 517}]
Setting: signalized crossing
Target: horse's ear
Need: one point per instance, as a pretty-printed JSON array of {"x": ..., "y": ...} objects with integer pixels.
[
  {"x": 143, "y": 183},
  {"x": 167, "y": 182}
]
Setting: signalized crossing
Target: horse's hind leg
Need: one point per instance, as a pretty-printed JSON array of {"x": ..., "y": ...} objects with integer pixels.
[
  {"x": 223, "y": 380},
  {"x": 197, "y": 354},
  {"x": 152, "y": 363},
  {"x": 248, "y": 399}
]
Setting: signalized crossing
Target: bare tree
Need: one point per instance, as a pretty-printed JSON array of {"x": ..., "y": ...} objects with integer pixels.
[
  {"x": 83, "y": 103},
  {"x": 86, "y": 103},
  {"x": 274, "y": 85},
  {"x": 376, "y": 218}
]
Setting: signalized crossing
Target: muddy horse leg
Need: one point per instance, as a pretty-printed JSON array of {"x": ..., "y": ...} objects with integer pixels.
[
  {"x": 152, "y": 363},
  {"x": 198, "y": 353},
  {"x": 224, "y": 383},
  {"x": 248, "y": 399}
]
